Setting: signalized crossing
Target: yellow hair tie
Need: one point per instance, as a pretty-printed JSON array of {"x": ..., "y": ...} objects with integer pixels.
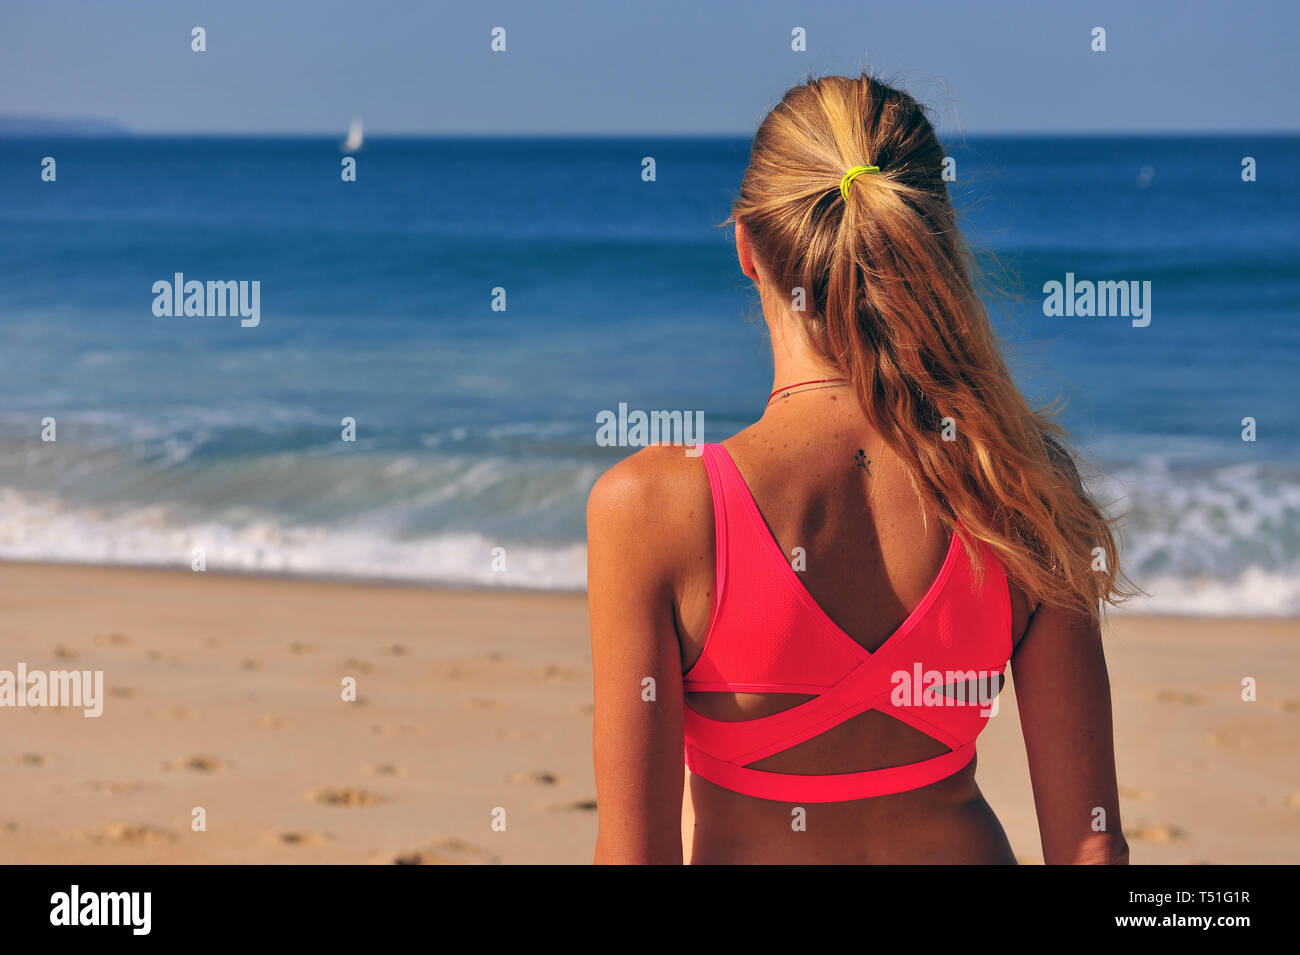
[{"x": 851, "y": 175}]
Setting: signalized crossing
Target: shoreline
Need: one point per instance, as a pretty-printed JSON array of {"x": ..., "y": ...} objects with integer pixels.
[
  {"x": 403, "y": 583},
  {"x": 400, "y": 583}
]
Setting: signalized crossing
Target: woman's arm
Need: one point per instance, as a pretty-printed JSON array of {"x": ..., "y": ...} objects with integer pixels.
[
  {"x": 1063, "y": 694},
  {"x": 630, "y": 597}
]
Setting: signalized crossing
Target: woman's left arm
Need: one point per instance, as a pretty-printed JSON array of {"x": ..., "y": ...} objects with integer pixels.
[
  {"x": 636, "y": 659},
  {"x": 1063, "y": 694}
]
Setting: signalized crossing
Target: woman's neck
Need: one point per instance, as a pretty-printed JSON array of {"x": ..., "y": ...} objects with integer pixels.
[{"x": 793, "y": 358}]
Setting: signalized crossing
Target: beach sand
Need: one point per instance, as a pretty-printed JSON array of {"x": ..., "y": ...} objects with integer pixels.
[{"x": 224, "y": 693}]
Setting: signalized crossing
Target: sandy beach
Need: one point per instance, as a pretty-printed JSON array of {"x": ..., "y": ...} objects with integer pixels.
[{"x": 225, "y": 693}]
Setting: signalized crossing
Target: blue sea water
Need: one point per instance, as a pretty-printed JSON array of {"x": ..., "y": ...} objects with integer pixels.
[{"x": 476, "y": 428}]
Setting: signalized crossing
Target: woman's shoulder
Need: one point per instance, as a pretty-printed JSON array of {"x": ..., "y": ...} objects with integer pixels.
[
  {"x": 660, "y": 477},
  {"x": 652, "y": 514}
]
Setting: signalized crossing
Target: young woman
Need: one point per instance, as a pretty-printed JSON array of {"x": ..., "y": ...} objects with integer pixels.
[{"x": 817, "y": 611}]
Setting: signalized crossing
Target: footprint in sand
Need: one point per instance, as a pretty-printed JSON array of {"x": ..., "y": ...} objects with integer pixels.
[
  {"x": 1291, "y": 706},
  {"x": 296, "y": 839},
  {"x": 541, "y": 777},
  {"x": 269, "y": 721},
  {"x": 123, "y": 692},
  {"x": 582, "y": 709},
  {"x": 1233, "y": 742},
  {"x": 1293, "y": 801},
  {"x": 117, "y": 787},
  {"x": 250, "y": 664},
  {"x": 1156, "y": 832},
  {"x": 1131, "y": 792},
  {"x": 553, "y": 671},
  {"x": 493, "y": 656},
  {"x": 393, "y": 729},
  {"x": 128, "y": 834},
  {"x": 1178, "y": 696},
  {"x": 450, "y": 671},
  {"x": 31, "y": 759},
  {"x": 353, "y": 665},
  {"x": 513, "y": 733},
  {"x": 344, "y": 796},
  {"x": 581, "y": 805},
  {"x": 482, "y": 703},
  {"x": 157, "y": 656},
  {"x": 198, "y": 764},
  {"x": 385, "y": 769},
  {"x": 48, "y": 711},
  {"x": 113, "y": 640},
  {"x": 66, "y": 653},
  {"x": 447, "y": 852},
  {"x": 297, "y": 647},
  {"x": 396, "y": 650}
]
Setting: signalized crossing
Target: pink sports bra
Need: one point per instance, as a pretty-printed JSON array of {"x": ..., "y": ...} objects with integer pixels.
[{"x": 768, "y": 635}]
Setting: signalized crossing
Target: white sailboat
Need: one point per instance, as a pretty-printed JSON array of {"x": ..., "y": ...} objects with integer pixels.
[{"x": 353, "y": 142}]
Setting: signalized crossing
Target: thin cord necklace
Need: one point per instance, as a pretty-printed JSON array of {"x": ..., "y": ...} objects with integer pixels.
[{"x": 789, "y": 389}]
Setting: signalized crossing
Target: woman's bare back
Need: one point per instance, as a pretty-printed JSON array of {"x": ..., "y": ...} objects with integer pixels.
[{"x": 841, "y": 509}]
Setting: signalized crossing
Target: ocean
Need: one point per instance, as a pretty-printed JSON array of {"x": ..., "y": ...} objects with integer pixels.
[{"x": 476, "y": 426}]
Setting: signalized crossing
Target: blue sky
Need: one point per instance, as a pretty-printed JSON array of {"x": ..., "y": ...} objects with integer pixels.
[{"x": 662, "y": 66}]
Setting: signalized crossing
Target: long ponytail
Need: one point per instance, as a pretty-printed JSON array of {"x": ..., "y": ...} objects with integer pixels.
[{"x": 889, "y": 278}]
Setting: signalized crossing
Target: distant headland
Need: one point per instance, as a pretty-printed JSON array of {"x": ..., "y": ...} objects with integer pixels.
[{"x": 14, "y": 126}]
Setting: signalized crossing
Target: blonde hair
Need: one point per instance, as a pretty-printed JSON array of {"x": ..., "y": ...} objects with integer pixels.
[{"x": 888, "y": 276}]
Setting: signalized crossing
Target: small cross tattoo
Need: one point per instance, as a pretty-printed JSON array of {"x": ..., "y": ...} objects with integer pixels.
[{"x": 863, "y": 461}]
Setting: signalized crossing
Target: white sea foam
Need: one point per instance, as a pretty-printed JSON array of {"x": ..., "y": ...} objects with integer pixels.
[
  {"x": 1254, "y": 593},
  {"x": 43, "y": 529},
  {"x": 1200, "y": 540}
]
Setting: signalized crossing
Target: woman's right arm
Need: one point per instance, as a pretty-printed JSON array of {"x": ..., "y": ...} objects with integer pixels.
[{"x": 1063, "y": 694}]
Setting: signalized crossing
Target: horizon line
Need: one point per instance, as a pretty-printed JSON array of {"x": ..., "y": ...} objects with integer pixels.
[{"x": 127, "y": 133}]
